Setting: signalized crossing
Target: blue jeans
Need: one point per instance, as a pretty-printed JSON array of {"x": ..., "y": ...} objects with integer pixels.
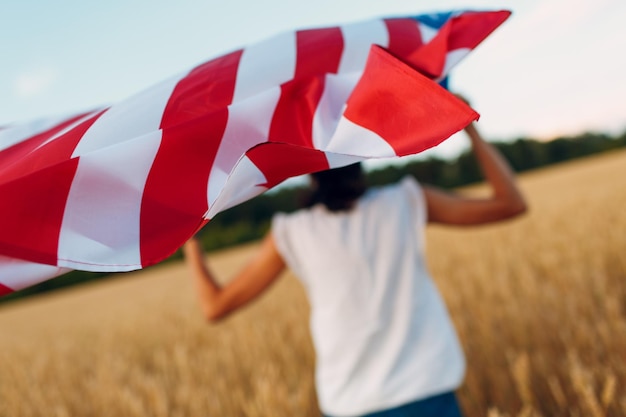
[{"x": 442, "y": 405}]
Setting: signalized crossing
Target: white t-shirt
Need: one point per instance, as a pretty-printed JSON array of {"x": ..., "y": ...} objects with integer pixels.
[{"x": 381, "y": 331}]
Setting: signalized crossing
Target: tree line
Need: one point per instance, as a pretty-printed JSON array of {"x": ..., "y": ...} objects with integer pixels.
[{"x": 250, "y": 220}]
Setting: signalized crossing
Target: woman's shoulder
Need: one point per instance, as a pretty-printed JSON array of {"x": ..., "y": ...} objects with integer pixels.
[
  {"x": 406, "y": 192},
  {"x": 407, "y": 184},
  {"x": 295, "y": 216},
  {"x": 409, "y": 181}
]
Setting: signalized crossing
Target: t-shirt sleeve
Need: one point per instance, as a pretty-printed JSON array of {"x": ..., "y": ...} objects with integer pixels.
[
  {"x": 280, "y": 233},
  {"x": 415, "y": 195}
]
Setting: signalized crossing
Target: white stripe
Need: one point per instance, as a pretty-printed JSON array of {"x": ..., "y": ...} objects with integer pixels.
[
  {"x": 337, "y": 89},
  {"x": 453, "y": 58},
  {"x": 352, "y": 139},
  {"x": 17, "y": 274},
  {"x": 100, "y": 229},
  {"x": 265, "y": 65},
  {"x": 427, "y": 32},
  {"x": 12, "y": 135},
  {"x": 337, "y": 160},
  {"x": 135, "y": 117},
  {"x": 262, "y": 68},
  {"x": 248, "y": 125},
  {"x": 68, "y": 128},
  {"x": 241, "y": 186},
  {"x": 357, "y": 41}
]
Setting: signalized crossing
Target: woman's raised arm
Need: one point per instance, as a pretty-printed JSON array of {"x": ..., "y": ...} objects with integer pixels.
[
  {"x": 506, "y": 199},
  {"x": 216, "y": 301}
]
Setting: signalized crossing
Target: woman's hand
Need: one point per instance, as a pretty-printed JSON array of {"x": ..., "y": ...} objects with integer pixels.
[
  {"x": 217, "y": 301},
  {"x": 505, "y": 202}
]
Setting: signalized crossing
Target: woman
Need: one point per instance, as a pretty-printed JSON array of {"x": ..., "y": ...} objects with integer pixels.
[{"x": 384, "y": 342}]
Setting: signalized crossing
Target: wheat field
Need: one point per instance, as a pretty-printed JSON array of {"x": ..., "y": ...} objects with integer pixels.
[{"x": 539, "y": 304}]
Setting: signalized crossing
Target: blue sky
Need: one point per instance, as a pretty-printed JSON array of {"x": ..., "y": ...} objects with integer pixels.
[{"x": 556, "y": 67}]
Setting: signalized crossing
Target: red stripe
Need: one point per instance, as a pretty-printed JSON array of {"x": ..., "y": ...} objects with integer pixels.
[
  {"x": 465, "y": 31},
  {"x": 318, "y": 52},
  {"x": 31, "y": 213},
  {"x": 193, "y": 124},
  {"x": 407, "y": 45},
  {"x": 471, "y": 28},
  {"x": 34, "y": 194},
  {"x": 423, "y": 113},
  {"x": 279, "y": 161},
  {"x": 4, "y": 290},
  {"x": 15, "y": 154},
  {"x": 31, "y": 157},
  {"x": 404, "y": 37}
]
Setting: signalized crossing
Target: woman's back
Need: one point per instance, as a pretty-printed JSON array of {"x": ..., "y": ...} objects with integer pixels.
[
  {"x": 380, "y": 328},
  {"x": 383, "y": 337}
]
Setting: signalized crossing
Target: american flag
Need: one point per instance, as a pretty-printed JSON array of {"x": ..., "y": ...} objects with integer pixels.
[{"x": 121, "y": 188}]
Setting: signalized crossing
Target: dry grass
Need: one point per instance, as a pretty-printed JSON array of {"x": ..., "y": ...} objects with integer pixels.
[{"x": 539, "y": 304}]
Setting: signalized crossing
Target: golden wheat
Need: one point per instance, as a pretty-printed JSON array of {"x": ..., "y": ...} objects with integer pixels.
[{"x": 539, "y": 304}]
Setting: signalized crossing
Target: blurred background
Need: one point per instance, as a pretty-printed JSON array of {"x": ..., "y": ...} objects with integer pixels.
[{"x": 540, "y": 303}]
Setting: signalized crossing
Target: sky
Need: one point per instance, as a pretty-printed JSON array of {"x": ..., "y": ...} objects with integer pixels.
[{"x": 555, "y": 68}]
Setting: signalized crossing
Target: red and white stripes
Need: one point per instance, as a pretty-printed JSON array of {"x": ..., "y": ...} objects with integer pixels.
[{"x": 122, "y": 188}]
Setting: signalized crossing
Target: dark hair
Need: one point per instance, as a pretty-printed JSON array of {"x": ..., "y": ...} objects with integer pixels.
[{"x": 338, "y": 188}]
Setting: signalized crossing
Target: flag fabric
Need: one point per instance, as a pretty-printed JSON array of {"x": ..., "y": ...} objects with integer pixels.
[{"x": 121, "y": 188}]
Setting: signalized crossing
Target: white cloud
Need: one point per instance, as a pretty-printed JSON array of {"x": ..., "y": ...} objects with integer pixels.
[{"x": 32, "y": 83}]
